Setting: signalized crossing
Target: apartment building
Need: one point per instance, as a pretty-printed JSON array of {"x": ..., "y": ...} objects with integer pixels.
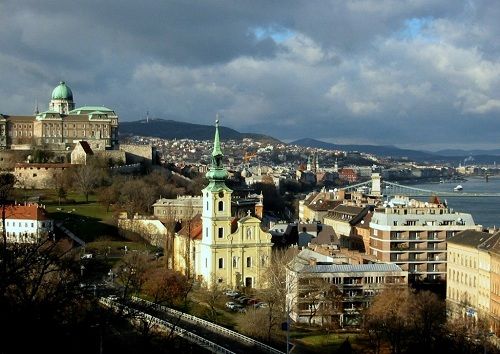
[
  {"x": 413, "y": 234},
  {"x": 472, "y": 287},
  {"x": 327, "y": 290}
]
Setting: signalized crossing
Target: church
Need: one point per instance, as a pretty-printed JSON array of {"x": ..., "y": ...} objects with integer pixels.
[
  {"x": 61, "y": 126},
  {"x": 224, "y": 250}
]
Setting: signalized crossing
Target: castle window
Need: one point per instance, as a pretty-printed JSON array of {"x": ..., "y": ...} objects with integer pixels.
[
  {"x": 221, "y": 263},
  {"x": 221, "y": 205},
  {"x": 221, "y": 232},
  {"x": 249, "y": 262}
]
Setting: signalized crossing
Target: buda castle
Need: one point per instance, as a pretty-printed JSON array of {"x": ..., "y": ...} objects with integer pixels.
[{"x": 61, "y": 126}]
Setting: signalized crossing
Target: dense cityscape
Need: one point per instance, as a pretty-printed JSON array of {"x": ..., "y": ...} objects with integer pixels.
[{"x": 127, "y": 231}]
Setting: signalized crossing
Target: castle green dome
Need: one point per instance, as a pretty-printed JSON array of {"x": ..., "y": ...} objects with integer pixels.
[{"x": 62, "y": 92}]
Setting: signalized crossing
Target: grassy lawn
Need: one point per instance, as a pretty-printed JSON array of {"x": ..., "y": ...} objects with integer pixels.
[
  {"x": 320, "y": 342},
  {"x": 89, "y": 221}
]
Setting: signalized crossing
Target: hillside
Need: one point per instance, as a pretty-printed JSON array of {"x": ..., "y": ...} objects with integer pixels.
[
  {"x": 171, "y": 129},
  {"x": 384, "y": 150}
]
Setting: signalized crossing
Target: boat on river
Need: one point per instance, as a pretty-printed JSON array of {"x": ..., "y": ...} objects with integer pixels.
[{"x": 458, "y": 188}]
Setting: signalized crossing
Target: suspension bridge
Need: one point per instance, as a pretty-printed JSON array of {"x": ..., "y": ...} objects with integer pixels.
[{"x": 376, "y": 186}]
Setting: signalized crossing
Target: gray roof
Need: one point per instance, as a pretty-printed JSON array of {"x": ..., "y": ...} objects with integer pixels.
[
  {"x": 351, "y": 268},
  {"x": 470, "y": 238}
]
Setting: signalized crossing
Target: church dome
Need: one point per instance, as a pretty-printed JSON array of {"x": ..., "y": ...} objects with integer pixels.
[{"x": 62, "y": 92}]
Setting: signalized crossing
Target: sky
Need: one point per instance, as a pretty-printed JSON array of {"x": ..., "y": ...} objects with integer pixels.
[{"x": 421, "y": 74}]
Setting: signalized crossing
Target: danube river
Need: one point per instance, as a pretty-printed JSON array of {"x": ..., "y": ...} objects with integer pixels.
[{"x": 484, "y": 210}]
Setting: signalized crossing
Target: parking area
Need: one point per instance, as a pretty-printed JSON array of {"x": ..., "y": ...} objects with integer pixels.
[{"x": 239, "y": 302}]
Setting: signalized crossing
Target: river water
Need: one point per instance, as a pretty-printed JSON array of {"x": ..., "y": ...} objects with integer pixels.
[{"x": 484, "y": 210}]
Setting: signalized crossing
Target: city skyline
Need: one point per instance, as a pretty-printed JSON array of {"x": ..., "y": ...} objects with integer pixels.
[{"x": 414, "y": 74}]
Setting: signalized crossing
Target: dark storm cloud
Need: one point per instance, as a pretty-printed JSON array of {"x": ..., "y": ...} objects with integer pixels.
[{"x": 410, "y": 73}]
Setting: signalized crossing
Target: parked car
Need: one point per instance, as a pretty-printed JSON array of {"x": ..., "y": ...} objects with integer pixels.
[
  {"x": 231, "y": 305},
  {"x": 87, "y": 256},
  {"x": 238, "y": 308},
  {"x": 253, "y": 301},
  {"x": 243, "y": 300},
  {"x": 232, "y": 293},
  {"x": 260, "y": 305},
  {"x": 113, "y": 297}
]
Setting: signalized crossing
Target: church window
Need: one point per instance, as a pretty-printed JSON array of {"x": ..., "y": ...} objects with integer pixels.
[
  {"x": 207, "y": 205},
  {"x": 206, "y": 263},
  {"x": 221, "y": 232},
  {"x": 235, "y": 262},
  {"x": 221, "y": 205},
  {"x": 249, "y": 262},
  {"x": 206, "y": 231},
  {"x": 221, "y": 263}
]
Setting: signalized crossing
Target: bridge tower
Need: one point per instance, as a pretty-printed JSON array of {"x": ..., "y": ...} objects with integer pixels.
[{"x": 376, "y": 184}]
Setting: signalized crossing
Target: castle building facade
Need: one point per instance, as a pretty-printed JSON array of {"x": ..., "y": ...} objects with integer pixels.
[{"x": 61, "y": 126}]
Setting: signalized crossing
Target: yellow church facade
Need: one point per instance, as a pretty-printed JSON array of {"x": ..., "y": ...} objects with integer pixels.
[{"x": 225, "y": 251}]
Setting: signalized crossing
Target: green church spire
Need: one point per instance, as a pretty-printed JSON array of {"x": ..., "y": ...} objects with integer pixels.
[
  {"x": 217, "y": 150},
  {"x": 217, "y": 171}
]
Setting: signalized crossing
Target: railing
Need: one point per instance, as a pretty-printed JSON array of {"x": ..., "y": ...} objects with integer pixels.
[
  {"x": 194, "y": 338},
  {"x": 207, "y": 324}
]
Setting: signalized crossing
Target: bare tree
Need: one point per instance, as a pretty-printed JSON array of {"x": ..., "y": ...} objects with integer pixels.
[
  {"x": 86, "y": 179},
  {"x": 130, "y": 272},
  {"x": 211, "y": 297},
  {"x": 388, "y": 317}
]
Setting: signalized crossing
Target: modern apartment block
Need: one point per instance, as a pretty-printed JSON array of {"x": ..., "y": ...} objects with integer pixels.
[
  {"x": 325, "y": 290},
  {"x": 413, "y": 234}
]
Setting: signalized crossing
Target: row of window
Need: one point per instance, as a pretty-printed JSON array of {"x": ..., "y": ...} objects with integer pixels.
[
  {"x": 19, "y": 223},
  {"x": 236, "y": 262},
  {"x": 466, "y": 261}
]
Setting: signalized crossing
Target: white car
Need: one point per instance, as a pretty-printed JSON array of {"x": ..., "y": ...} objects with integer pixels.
[
  {"x": 113, "y": 297},
  {"x": 231, "y": 293},
  {"x": 231, "y": 305}
]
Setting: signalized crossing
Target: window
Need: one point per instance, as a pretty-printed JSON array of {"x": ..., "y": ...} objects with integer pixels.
[
  {"x": 249, "y": 262},
  {"x": 221, "y": 263},
  {"x": 221, "y": 205},
  {"x": 235, "y": 262},
  {"x": 207, "y": 205},
  {"x": 221, "y": 232}
]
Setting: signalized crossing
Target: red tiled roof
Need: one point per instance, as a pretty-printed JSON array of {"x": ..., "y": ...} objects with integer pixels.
[
  {"x": 25, "y": 212},
  {"x": 193, "y": 228}
]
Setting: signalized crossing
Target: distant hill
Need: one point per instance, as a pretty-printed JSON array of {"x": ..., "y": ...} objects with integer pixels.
[
  {"x": 383, "y": 150},
  {"x": 459, "y": 152},
  {"x": 171, "y": 129}
]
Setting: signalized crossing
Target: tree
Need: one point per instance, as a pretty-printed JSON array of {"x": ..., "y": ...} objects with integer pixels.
[
  {"x": 427, "y": 318},
  {"x": 86, "y": 179},
  {"x": 61, "y": 194},
  {"x": 130, "y": 273},
  {"x": 211, "y": 296},
  {"x": 388, "y": 317},
  {"x": 167, "y": 287}
]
